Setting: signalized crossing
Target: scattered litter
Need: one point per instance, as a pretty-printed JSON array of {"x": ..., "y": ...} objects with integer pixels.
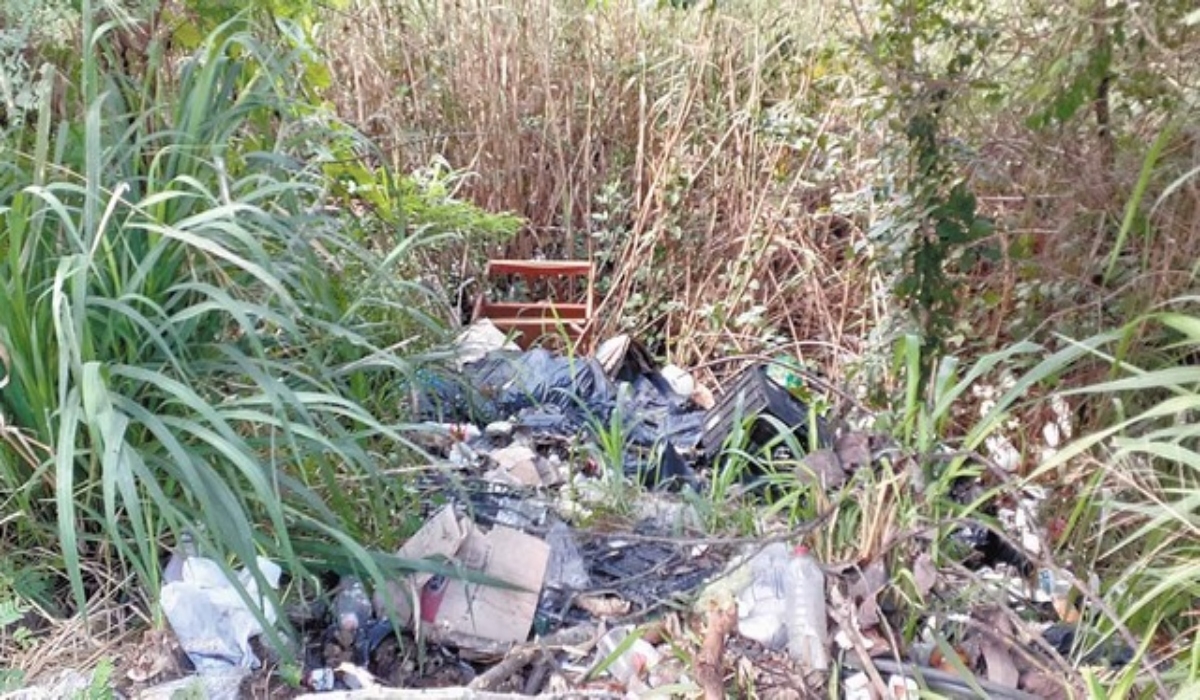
[
  {"x": 807, "y": 627},
  {"x": 555, "y": 398},
  {"x": 536, "y": 443},
  {"x": 624, "y": 658},
  {"x": 214, "y": 625}
]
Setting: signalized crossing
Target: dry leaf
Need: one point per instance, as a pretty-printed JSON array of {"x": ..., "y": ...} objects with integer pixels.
[
  {"x": 924, "y": 574},
  {"x": 854, "y": 450},
  {"x": 823, "y": 467},
  {"x": 603, "y": 606},
  {"x": 873, "y": 580},
  {"x": 1000, "y": 666}
]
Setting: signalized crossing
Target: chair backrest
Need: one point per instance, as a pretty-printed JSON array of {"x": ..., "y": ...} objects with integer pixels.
[{"x": 531, "y": 320}]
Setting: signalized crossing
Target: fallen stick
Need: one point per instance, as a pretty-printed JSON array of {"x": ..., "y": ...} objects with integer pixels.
[
  {"x": 516, "y": 660},
  {"x": 522, "y": 656},
  {"x": 720, "y": 623}
]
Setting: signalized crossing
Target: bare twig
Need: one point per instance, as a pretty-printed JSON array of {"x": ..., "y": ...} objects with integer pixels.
[
  {"x": 722, "y": 621},
  {"x": 525, "y": 654}
]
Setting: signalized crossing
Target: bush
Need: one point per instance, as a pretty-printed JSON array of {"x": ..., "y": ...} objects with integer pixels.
[{"x": 190, "y": 339}]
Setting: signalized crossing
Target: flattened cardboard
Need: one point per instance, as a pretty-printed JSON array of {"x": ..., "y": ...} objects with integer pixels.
[
  {"x": 517, "y": 465},
  {"x": 488, "y": 612},
  {"x": 472, "y": 611},
  {"x": 441, "y": 536}
]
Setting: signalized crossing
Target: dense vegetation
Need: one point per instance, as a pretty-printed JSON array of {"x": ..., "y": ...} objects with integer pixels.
[{"x": 229, "y": 236}]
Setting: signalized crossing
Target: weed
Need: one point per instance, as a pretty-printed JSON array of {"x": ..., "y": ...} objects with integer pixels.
[{"x": 180, "y": 345}]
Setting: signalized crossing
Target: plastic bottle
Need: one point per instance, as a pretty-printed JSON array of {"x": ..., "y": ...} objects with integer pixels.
[{"x": 807, "y": 626}]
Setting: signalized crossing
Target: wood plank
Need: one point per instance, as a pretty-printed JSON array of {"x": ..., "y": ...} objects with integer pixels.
[
  {"x": 550, "y": 310},
  {"x": 537, "y": 268}
]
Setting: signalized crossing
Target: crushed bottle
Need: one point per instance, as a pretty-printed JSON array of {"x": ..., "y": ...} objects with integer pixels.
[{"x": 807, "y": 625}]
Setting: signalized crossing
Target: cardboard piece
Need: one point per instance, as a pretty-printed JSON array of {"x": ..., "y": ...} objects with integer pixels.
[
  {"x": 488, "y": 612},
  {"x": 471, "y": 613},
  {"x": 440, "y": 537},
  {"x": 516, "y": 465}
]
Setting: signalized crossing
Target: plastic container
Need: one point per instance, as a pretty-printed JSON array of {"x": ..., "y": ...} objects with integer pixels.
[
  {"x": 762, "y": 603},
  {"x": 807, "y": 625}
]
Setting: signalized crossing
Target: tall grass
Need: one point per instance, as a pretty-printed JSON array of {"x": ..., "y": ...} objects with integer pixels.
[
  {"x": 694, "y": 155},
  {"x": 185, "y": 343},
  {"x": 732, "y": 166},
  {"x": 1135, "y": 527}
]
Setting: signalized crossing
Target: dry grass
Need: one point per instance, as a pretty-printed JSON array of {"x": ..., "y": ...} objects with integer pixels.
[
  {"x": 694, "y": 155},
  {"x": 78, "y": 642},
  {"x": 705, "y": 160}
]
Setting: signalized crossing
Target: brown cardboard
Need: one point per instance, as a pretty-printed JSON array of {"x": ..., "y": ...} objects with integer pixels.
[
  {"x": 441, "y": 536},
  {"x": 489, "y": 612},
  {"x": 468, "y": 611},
  {"x": 515, "y": 464}
]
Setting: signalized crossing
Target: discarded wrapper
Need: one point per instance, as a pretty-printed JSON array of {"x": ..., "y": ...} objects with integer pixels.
[
  {"x": 212, "y": 621},
  {"x": 635, "y": 658}
]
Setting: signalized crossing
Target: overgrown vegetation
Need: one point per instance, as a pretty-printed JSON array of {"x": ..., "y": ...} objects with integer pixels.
[
  {"x": 191, "y": 340},
  {"x": 228, "y": 236}
]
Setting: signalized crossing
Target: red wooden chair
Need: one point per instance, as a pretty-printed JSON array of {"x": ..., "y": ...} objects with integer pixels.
[{"x": 533, "y": 321}]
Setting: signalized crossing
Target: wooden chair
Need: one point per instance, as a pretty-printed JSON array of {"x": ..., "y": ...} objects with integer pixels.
[{"x": 532, "y": 321}]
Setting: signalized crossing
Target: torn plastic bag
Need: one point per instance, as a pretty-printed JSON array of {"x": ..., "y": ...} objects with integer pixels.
[
  {"x": 442, "y": 396},
  {"x": 504, "y": 383},
  {"x": 655, "y": 413},
  {"x": 212, "y": 621},
  {"x": 654, "y": 425},
  {"x": 571, "y": 383}
]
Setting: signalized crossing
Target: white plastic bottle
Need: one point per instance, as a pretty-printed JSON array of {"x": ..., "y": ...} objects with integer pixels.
[{"x": 807, "y": 626}]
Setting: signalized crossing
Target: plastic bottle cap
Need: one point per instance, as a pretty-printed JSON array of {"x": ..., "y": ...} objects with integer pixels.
[{"x": 800, "y": 550}]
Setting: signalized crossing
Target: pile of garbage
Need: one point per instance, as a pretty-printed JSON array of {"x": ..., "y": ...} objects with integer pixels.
[
  {"x": 520, "y": 598},
  {"x": 667, "y": 422}
]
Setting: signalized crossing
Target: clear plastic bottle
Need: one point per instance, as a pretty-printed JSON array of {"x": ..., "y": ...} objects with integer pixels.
[{"x": 807, "y": 626}]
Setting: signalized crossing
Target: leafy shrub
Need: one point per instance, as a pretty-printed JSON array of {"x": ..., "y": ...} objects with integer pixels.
[{"x": 181, "y": 345}]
